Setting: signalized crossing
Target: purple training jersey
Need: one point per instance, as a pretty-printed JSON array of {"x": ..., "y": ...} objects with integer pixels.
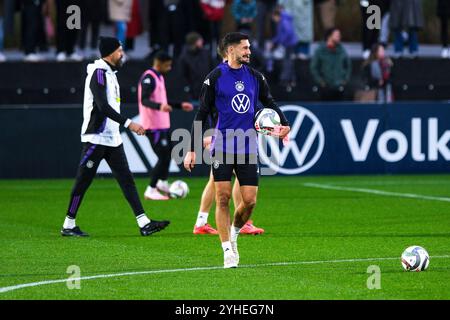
[{"x": 230, "y": 96}]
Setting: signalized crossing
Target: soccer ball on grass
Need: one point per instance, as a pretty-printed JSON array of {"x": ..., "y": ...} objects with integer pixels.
[{"x": 415, "y": 258}]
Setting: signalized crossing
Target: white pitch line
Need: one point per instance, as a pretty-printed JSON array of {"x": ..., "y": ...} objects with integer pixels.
[
  {"x": 116, "y": 275},
  {"x": 392, "y": 183},
  {"x": 377, "y": 192}
]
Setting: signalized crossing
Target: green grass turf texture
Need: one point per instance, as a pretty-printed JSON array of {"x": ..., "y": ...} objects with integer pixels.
[{"x": 301, "y": 223}]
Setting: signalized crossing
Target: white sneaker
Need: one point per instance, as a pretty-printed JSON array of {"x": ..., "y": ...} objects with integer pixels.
[
  {"x": 163, "y": 186},
  {"x": 32, "y": 57},
  {"x": 61, "y": 57},
  {"x": 76, "y": 57},
  {"x": 153, "y": 194},
  {"x": 229, "y": 260},
  {"x": 445, "y": 53},
  {"x": 235, "y": 251},
  {"x": 2, "y": 57}
]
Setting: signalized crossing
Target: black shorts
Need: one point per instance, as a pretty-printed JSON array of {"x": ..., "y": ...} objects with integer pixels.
[{"x": 246, "y": 168}]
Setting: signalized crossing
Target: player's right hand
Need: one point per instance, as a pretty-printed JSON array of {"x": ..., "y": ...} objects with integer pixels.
[
  {"x": 165, "y": 108},
  {"x": 207, "y": 142},
  {"x": 189, "y": 161},
  {"x": 137, "y": 128}
]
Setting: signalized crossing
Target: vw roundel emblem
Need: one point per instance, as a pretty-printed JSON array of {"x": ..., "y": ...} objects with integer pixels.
[
  {"x": 304, "y": 125},
  {"x": 240, "y": 103}
]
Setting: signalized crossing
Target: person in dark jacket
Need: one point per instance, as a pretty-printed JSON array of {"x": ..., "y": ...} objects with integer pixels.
[
  {"x": 406, "y": 15},
  {"x": 443, "y": 12},
  {"x": 331, "y": 67},
  {"x": 371, "y": 36},
  {"x": 264, "y": 9},
  {"x": 195, "y": 64},
  {"x": 32, "y": 25},
  {"x": 94, "y": 12}
]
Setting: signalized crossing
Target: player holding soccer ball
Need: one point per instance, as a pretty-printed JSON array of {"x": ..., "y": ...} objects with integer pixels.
[
  {"x": 207, "y": 200},
  {"x": 230, "y": 94}
]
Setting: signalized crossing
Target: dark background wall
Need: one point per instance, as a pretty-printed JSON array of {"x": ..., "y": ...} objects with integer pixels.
[{"x": 54, "y": 83}]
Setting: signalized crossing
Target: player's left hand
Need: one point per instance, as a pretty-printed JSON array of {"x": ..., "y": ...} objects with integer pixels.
[
  {"x": 187, "y": 106},
  {"x": 280, "y": 131}
]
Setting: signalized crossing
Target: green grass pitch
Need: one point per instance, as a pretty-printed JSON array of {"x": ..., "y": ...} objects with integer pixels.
[{"x": 319, "y": 243}]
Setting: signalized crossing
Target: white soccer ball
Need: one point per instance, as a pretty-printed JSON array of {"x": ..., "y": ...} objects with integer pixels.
[
  {"x": 415, "y": 258},
  {"x": 265, "y": 120},
  {"x": 178, "y": 189}
]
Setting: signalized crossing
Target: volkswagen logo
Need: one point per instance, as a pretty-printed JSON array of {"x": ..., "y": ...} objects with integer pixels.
[
  {"x": 305, "y": 156},
  {"x": 240, "y": 103}
]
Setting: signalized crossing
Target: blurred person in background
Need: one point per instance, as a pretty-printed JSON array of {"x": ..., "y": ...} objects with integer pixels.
[
  {"x": 7, "y": 14},
  {"x": 327, "y": 10},
  {"x": 331, "y": 67},
  {"x": 32, "y": 27},
  {"x": 370, "y": 36},
  {"x": 406, "y": 15},
  {"x": 287, "y": 38},
  {"x": 195, "y": 63},
  {"x": 244, "y": 13},
  {"x": 443, "y": 12},
  {"x": 66, "y": 38},
  {"x": 120, "y": 13},
  {"x": 134, "y": 26},
  {"x": 93, "y": 13},
  {"x": 264, "y": 10},
  {"x": 172, "y": 25},
  {"x": 377, "y": 72},
  {"x": 213, "y": 12},
  {"x": 303, "y": 19}
]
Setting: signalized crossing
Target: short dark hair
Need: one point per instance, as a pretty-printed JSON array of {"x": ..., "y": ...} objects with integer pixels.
[
  {"x": 232, "y": 38},
  {"x": 162, "y": 56},
  {"x": 220, "y": 51},
  {"x": 329, "y": 32}
]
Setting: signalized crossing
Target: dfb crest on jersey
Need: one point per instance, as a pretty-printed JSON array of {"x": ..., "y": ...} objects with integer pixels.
[{"x": 240, "y": 86}]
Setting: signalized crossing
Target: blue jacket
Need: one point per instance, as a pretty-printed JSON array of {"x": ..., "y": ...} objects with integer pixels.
[{"x": 285, "y": 35}]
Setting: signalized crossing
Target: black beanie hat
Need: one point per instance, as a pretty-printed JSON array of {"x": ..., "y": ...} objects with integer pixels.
[{"x": 108, "y": 45}]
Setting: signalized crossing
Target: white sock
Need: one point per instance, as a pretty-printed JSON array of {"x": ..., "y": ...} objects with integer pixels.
[
  {"x": 226, "y": 246},
  {"x": 202, "y": 219},
  {"x": 234, "y": 232},
  {"x": 142, "y": 220},
  {"x": 69, "y": 223}
]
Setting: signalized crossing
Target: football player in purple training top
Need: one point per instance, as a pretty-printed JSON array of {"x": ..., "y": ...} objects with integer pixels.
[{"x": 230, "y": 95}]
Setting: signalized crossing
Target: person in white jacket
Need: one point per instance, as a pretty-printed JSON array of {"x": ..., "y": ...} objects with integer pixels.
[{"x": 101, "y": 139}]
